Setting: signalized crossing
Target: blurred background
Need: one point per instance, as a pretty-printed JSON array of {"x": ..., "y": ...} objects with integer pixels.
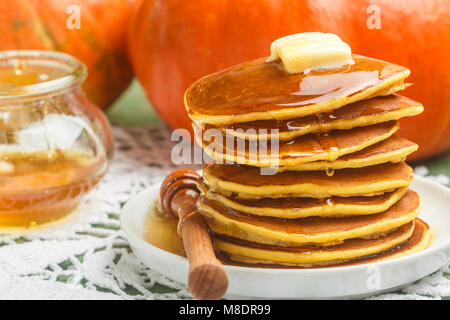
[{"x": 142, "y": 54}]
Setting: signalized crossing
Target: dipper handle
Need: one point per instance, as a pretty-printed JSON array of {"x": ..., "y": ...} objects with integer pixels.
[{"x": 207, "y": 278}]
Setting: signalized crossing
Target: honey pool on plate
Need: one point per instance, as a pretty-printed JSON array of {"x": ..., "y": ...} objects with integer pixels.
[{"x": 161, "y": 231}]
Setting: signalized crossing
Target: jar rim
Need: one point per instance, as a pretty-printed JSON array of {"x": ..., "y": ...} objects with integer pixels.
[{"x": 74, "y": 73}]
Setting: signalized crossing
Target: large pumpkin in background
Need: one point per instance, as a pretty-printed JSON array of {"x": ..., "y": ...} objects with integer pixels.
[
  {"x": 173, "y": 43},
  {"x": 100, "y": 42}
]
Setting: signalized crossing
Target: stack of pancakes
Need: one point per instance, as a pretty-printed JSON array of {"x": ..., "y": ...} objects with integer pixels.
[{"x": 308, "y": 170}]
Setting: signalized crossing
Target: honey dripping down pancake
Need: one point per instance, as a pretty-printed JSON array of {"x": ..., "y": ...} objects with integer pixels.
[
  {"x": 257, "y": 90},
  {"x": 312, "y": 147},
  {"x": 393, "y": 149},
  {"x": 246, "y": 182},
  {"x": 399, "y": 243},
  {"x": 313, "y": 230},
  {"x": 358, "y": 114}
]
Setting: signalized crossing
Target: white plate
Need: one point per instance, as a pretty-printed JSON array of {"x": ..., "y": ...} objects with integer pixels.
[{"x": 339, "y": 282}]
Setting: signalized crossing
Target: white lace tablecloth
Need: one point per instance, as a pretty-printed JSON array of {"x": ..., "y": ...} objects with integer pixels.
[{"x": 86, "y": 256}]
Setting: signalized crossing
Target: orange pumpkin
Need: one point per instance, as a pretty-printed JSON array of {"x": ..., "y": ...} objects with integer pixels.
[
  {"x": 172, "y": 43},
  {"x": 100, "y": 42}
]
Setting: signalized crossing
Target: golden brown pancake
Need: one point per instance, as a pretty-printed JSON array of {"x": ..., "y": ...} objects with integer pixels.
[
  {"x": 293, "y": 208},
  {"x": 394, "y": 149},
  {"x": 257, "y": 90},
  {"x": 312, "y": 147},
  {"x": 402, "y": 241},
  {"x": 419, "y": 240},
  {"x": 246, "y": 182},
  {"x": 358, "y": 114},
  {"x": 313, "y": 230}
]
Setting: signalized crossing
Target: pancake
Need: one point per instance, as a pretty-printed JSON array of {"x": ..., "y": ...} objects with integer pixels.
[
  {"x": 358, "y": 114},
  {"x": 403, "y": 241},
  {"x": 312, "y": 147},
  {"x": 247, "y": 183},
  {"x": 257, "y": 90},
  {"x": 293, "y": 208},
  {"x": 310, "y": 256},
  {"x": 394, "y": 149},
  {"x": 420, "y": 240},
  {"x": 313, "y": 230}
]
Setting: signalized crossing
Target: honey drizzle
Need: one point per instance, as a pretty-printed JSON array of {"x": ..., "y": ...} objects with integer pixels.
[
  {"x": 327, "y": 142},
  {"x": 330, "y": 168},
  {"x": 268, "y": 87},
  {"x": 375, "y": 107}
]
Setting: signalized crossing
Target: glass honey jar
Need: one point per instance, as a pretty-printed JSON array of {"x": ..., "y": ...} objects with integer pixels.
[{"x": 55, "y": 145}]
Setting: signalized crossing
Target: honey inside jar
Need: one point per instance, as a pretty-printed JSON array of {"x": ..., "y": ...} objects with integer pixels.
[{"x": 54, "y": 144}]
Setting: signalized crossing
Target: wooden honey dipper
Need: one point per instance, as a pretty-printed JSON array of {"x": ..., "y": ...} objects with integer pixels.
[{"x": 207, "y": 278}]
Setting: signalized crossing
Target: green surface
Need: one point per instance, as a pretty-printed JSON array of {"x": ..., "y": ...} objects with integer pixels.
[
  {"x": 133, "y": 109},
  {"x": 437, "y": 165}
]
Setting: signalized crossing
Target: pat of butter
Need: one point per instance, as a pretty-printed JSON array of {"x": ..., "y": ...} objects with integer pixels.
[{"x": 303, "y": 52}]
